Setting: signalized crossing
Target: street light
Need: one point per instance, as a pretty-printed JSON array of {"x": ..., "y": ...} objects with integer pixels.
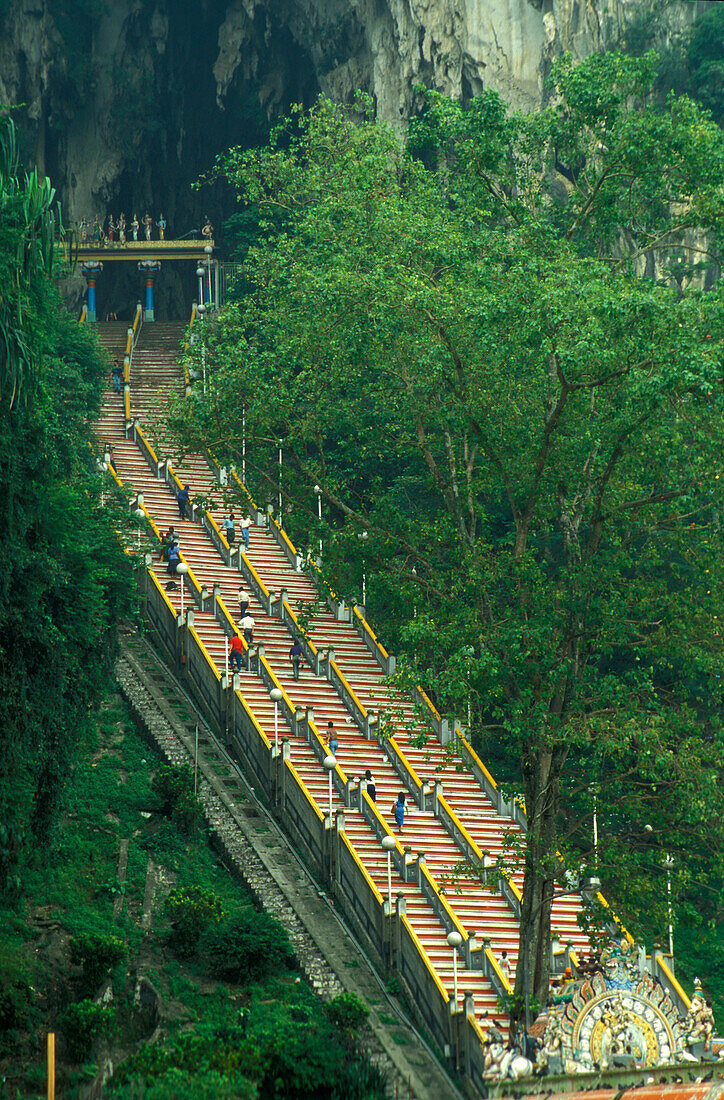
[
  {"x": 181, "y": 569},
  {"x": 363, "y": 538},
  {"x": 276, "y": 697},
  {"x": 200, "y": 277},
  {"x": 208, "y": 249},
  {"x": 455, "y": 939},
  {"x": 102, "y": 468},
  {"x": 389, "y": 844},
  {"x": 318, "y": 494},
  {"x": 243, "y": 445},
  {"x": 329, "y": 764},
  {"x": 139, "y": 516},
  {"x": 668, "y": 864},
  {"x": 281, "y": 517}
]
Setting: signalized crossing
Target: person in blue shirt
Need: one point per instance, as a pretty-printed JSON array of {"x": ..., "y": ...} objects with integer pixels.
[
  {"x": 174, "y": 557},
  {"x": 229, "y": 529},
  {"x": 399, "y": 810},
  {"x": 182, "y": 500}
]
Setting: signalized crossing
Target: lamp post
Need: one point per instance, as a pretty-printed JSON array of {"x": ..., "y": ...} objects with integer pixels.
[
  {"x": 668, "y": 864},
  {"x": 139, "y": 516},
  {"x": 363, "y": 539},
  {"x": 102, "y": 468},
  {"x": 279, "y": 494},
  {"x": 276, "y": 696},
  {"x": 202, "y": 311},
  {"x": 318, "y": 494},
  {"x": 208, "y": 249},
  {"x": 389, "y": 844},
  {"x": 243, "y": 445},
  {"x": 181, "y": 569},
  {"x": 455, "y": 939},
  {"x": 200, "y": 277},
  {"x": 329, "y": 764}
]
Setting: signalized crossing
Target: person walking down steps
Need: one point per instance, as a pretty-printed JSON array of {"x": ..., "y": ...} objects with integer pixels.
[
  {"x": 182, "y": 500},
  {"x": 245, "y": 528}
]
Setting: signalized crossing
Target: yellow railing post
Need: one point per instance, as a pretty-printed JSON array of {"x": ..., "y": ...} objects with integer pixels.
[{"x": 51, "y": 1065}]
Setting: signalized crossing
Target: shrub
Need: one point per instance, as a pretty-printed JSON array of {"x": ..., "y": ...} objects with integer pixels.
[
  {"x": 82, "y": 1024},
  {"x": 360, "y": 1080},
  {"x": 191, "y": 911},
  {"x": 175, "y": 789},
  {"x": 246, "y": 946},
  {"x": 347, "y": 1011},
  {"x": 97, "y": 955},
  {"x": 16, "y": 991}
]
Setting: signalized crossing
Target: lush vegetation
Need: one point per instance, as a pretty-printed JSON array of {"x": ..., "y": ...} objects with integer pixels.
[
  {"x": 64, "y": 583},
  {"x": 691, "y": 63},
  {"x": 492, "y": 352},
  {"x": 259, "y": 1032}
]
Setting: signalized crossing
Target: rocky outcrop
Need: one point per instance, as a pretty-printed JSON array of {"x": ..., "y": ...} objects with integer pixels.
[{"x": 126, "y": 104}]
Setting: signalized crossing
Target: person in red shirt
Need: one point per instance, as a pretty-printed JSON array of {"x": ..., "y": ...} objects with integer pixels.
[{"x": 235, "y": 652}]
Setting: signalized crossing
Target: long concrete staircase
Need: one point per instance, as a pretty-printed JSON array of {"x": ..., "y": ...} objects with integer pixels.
[{"x": 483, "y": 909}]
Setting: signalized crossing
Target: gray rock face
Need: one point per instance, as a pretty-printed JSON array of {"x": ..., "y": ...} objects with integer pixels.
[{"x": 126, "y": 110}]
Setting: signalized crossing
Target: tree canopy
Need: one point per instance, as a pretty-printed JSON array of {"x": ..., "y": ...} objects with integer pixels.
[
  {"x": 517, "y": 438},
  {"x": 63, "y": 584}
]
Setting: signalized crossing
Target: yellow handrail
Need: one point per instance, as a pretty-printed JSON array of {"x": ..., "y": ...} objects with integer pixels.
[
  {"x": 141, "y": 433},
  {"x": 252, "y": 719},
  {"x": 450, "y": 915},
  {"x": 83, "y": 315},
  {"x": 305, "y": 792},
  {"x": 423, "y": 955},
  {"x": 315, "y": 731},
  {"x": 459, "y": 825},
  {"x": 216, "y": 527},
  {"x": 205, "y": 652},
  {"x": 227, "y": 615},
  {"x": 310, "y": 643},
  {"x": 349, "y": 688},
  {"x": 361, "y": 868},
  {"x": 670, "y": 977},
  {"x": 161, "y": 591},
  {"x": 277, "y": 684},
  {"x": 410, "y": 770},
  {"x": 254, "y": 574},
  {"x": 502, "y": 978}
]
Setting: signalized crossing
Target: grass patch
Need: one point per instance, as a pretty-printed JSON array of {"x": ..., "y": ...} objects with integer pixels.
[{"x": 236, "y": 1023}]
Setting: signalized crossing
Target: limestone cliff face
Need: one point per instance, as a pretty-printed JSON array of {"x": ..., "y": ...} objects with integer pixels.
[{"x": 126, "y": 107}]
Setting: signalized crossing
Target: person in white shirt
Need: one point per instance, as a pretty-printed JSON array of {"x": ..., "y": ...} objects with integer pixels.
[
  {"x": 247, "y": 624},
  {"x": 245, "y": 526}
]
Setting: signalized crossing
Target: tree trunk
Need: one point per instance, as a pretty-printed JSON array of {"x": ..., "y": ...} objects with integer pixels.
[{"x": 541, "y": 775}]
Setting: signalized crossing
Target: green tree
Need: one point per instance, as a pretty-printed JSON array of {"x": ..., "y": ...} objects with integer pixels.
[
  {"x": 63, "y": 583},
  {"x": 454, "y": 341}
]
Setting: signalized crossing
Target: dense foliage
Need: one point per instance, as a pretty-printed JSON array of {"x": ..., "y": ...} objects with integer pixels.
[
  {"x": 517, "y": 439},
  {"x": 63, "y": 584}
]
